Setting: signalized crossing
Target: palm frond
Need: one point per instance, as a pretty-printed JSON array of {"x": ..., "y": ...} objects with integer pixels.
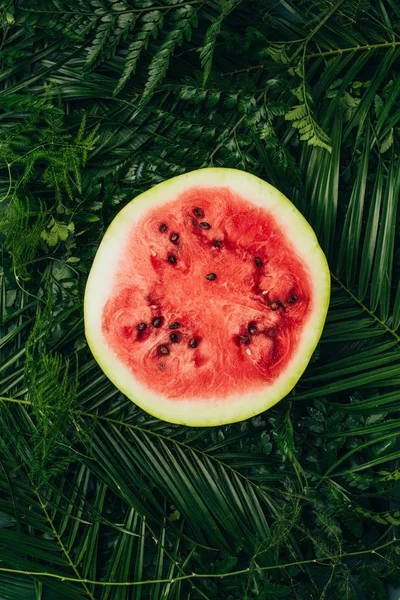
[{"x": 161, "y": 88}]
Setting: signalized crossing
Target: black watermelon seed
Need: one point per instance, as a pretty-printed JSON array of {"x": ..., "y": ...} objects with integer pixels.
[
  {"x": 163, "y": 227},
  {"x": 258, "y": 262},
  {"x": 174, "y": 338},
  {"x": 157, "y": 321},
  {"x": 171, "y": 259},
  {"x": 141, "y": 326},
  {"x": 245, "y": 339},
  {"x": 174, "y": 237},
  {"x": 163, "y": 349},
  {"x": 292, "y": 299},
  {"x": 199, "y": 212},
  {"x": 211, "y": 276},
  {"x": 174, "y": 325},
  {"x": 217, "y": 244},
  {"x": 276, "y": 305},
  {"x": 205, "y": 225},
  {"x": 193, "y": 343},
  {"x": 252, "y": 329}
]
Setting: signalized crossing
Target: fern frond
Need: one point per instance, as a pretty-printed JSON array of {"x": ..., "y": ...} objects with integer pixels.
[
  {"x": 115, "y": 24},
  {"x": 210, "y": 39},
  {"x": 387, "y": 143},
  {"x": 150, "y": 25},
  {"x": 278, "y": 52},
  {"x": 21, "y": 227},
  {"x": 368, "y": 577},
  {"x": 56, "y": 231},
  {"x": 182, "y": 22},
  {"x": 309, "y": 130},
  {"x": 39, "y": 438},
  {"x": 344, "y": 587}
]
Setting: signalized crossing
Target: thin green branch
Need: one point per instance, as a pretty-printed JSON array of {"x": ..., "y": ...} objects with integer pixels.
[
  {"x": 128, "y": 10},
  {"x": 15, "y": 400},
  {"x": 365, "y": 48},
  {"x": 372, "y": 314},
  {"x": 52, "y": 143},
  {"x": 317, "y": 28},
  {"x": 247, "y": 571},
  {"x": 353, "y": 49},
  {"x": 64, "y": 550},
  {"x": 17, "y": 281},
  {"x": 9, "y": 182}
]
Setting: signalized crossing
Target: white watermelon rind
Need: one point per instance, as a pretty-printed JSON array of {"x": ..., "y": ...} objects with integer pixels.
[{"x": 208, "y": 412}]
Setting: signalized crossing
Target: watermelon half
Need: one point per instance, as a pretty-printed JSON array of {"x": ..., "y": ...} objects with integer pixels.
[{"x": 207, "y": 297}]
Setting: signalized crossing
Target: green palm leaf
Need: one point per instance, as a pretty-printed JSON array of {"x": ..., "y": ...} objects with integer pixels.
[{"x": 118, "y": 497}]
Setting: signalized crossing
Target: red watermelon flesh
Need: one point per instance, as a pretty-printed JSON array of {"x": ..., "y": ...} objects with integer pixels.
[{"x": 184, "y": 333}]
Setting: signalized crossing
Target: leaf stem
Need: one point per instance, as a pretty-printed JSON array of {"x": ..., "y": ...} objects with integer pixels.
[
  {"x": 246, "y": 571},
  {"x": 78, "y": 578},
  {"x": 9, "y": 182},
  {"x": 131, "y": 10},
  {"x": 317, "y": 28},
  {"x": 52, "y": 143},
  {"x": 364, "y": 48},
  {"x": 353, "y": 49},
  {"x": 372, "y": 314},
  {"x": 15, "y": 400}
]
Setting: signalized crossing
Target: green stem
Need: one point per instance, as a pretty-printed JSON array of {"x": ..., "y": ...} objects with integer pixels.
[
  {"x": 43, "y": 146},
  {"x": 9, "y": 182},
  {"x": 127, "y": 11},
  {"x": 246, "y": 571},
  {"x": 78, "y": 578},
  {"x": 372, "y": 314},
  {"x": 317, "y": 28},
  {"x": 353, "y": 49},
  {"x": 26, "y": 291},
  {"x": 367, "y": 47},
  {"x": 15, "y": 400}
]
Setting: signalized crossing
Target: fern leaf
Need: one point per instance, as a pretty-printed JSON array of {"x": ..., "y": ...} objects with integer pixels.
[
  {"x": 184, "y": 19},
  {"x": 304, "y": 130},
  {"x": 297, "y": 112},
  {"x": 370, "y": 582},
  {"x": 114, "y": 27},
  {"x": 22, "y": 229},
  {"x": 56, "y": 231},
  {"x": 309, "y": 129},
  {"x": 81, "y": 130},
  {"x": 152, "y": 24},
  {"x": 387, "y": 142},
  {"x": 99, "y": 42},
  {"x": 52, "y": 396},
  {"x": 278, "y": 53},
  {"x": 344, "y": 587},
  {"x": 207, "y": 52}
]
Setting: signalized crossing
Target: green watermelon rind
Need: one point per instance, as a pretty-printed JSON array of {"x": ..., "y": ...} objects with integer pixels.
[{"x": 208, "y": 412}]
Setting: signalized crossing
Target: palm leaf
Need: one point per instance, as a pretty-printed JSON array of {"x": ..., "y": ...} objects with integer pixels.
[{"x": 140, "y": 500}]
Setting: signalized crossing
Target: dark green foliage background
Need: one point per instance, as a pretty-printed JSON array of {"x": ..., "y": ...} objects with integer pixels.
[{"x": 100, "y": 100}]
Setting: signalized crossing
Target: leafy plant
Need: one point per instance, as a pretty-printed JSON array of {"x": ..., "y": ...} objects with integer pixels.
[{"x": 102, "y": 100}]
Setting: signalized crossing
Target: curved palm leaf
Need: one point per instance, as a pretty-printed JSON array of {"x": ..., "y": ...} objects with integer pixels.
[{"x": 120, "y": 496}]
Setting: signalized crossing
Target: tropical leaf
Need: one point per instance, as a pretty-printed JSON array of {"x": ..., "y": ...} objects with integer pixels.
[{"x": 102, "y": 100}]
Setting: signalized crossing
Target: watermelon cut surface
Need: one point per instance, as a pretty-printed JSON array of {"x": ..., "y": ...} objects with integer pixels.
[{"x": 207, "y": 297}]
